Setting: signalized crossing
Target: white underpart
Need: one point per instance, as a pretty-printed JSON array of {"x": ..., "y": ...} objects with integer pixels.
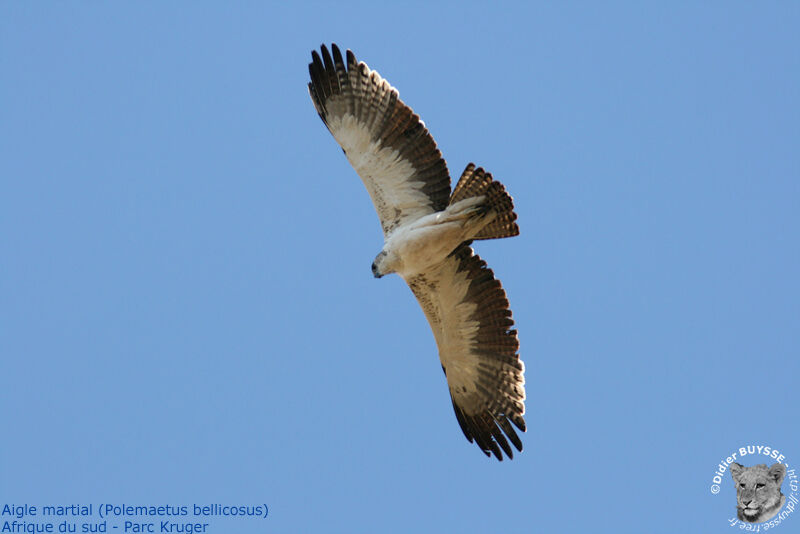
[
  {"x": 420, "y": 246},
  {"x": 390, "y": 180}
]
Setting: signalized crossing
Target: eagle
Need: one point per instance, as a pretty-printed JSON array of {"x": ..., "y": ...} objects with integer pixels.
[{"x": 428, "y": 230}]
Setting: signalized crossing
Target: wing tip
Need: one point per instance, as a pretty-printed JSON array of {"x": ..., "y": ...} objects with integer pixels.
[
  {"x": 325, "y": 72},
  {"x": 491, "y": 433}
]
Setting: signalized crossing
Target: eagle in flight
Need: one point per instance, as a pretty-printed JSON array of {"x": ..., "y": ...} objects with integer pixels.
[{"x": 427, "y": 231}]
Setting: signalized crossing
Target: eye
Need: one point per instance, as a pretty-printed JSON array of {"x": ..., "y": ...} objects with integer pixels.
[
  {"x": 760, "y": 485},
  {"x": 741, "y": 485}
]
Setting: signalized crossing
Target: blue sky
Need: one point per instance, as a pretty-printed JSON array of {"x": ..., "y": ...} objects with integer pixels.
[{"x": 187, "y": 312}]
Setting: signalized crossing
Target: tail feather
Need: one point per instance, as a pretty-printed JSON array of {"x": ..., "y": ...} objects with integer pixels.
[{"x": 477, "y": 182}]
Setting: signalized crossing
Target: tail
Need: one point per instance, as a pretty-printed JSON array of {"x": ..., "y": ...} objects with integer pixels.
[{"x": 476, "y": 182}]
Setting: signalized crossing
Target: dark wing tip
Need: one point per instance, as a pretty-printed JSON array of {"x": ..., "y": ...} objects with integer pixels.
[
  {"x": 337, "y": 56},
  {"x": 326, "y": 58},
  {"x": 325, "y": 72},
  {"x": 490, "y": 433}
]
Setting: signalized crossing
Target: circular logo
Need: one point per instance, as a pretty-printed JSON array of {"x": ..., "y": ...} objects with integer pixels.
[{"x": 763, "y": 484}]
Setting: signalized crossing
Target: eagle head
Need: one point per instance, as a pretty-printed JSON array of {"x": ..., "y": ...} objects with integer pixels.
[{"x": 384, "y": 264}]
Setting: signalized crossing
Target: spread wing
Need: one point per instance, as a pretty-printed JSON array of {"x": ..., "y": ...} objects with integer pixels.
[
  {"x": 387, "y": 144},
  {"x": 468, "y": 312}
]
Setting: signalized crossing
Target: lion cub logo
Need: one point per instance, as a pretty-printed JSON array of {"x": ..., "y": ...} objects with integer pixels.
[{"x": 758, "y": 491}]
